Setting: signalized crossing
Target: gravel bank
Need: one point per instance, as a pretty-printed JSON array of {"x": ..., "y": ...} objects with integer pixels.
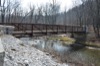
[{"x": 19, "y": 54}]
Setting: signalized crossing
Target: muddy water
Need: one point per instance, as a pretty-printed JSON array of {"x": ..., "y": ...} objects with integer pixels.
[{"x": 84, "y": 56}]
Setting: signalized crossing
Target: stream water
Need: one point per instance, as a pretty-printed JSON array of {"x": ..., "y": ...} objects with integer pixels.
[{"x": 84, "y": 56}]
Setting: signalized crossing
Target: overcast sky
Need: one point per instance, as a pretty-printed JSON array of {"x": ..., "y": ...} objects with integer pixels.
[{"x": 64, "y": 3}]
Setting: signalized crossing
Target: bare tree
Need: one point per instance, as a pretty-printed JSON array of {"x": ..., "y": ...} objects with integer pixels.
[
  {"x": 98, "y": 17},
  {"x": 65, "y": 17},
  {"x": 8, "y": 11},
  {"x": 38, "y": 14},
  {"x": 46, "y": 10},
  {"x": 3, "y": 12},
  {"x": 16, "y": 11},
  {"x": 54, "y": 11},
  {"x": 0, "y": 2},
  {"x": 32, "y": 9}
]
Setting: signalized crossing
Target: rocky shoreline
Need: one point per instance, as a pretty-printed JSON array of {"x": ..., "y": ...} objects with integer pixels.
[{"x": 19, "y": 54}]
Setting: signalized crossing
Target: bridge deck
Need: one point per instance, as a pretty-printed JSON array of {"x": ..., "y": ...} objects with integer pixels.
[{"x": 26, "y": 28}]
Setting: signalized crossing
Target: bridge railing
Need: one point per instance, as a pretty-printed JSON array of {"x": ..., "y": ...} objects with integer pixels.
[{"x": 45, "y": 28}]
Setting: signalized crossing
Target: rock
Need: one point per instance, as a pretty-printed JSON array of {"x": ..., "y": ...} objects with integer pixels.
[
  {"x": 25, "y": 55},
  {"x": 2, "y": 53}
]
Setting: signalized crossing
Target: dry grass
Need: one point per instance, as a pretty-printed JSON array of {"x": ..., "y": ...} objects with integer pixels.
[
  {"x": 94, "y": 44},
  {"x": 65, "y": 40}
]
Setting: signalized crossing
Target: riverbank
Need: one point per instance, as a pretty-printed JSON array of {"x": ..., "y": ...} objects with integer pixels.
[
  {"x": 19, "y": 54},
  {"x": 64, "y": 53},
  {"x": 49, "y": 52}
]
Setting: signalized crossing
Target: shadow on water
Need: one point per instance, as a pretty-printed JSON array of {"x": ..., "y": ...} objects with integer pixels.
[
  {"x": 80, "y": 41},
  {"x": 76, "y": 47}
]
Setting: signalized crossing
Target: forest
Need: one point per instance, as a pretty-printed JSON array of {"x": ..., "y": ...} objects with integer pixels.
[{"x": 85, "y": 14}]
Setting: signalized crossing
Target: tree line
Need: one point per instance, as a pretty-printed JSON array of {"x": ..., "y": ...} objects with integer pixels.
[
  {"x": 86, "y": 14},
  {"x": 11, "y": 11}
]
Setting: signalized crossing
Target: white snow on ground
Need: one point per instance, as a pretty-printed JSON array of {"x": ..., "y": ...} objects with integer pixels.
[{"x": 19, "y": 54}]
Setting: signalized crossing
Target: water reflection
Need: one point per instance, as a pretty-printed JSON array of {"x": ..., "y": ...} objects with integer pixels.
[{"x": 74, "y": 53}]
